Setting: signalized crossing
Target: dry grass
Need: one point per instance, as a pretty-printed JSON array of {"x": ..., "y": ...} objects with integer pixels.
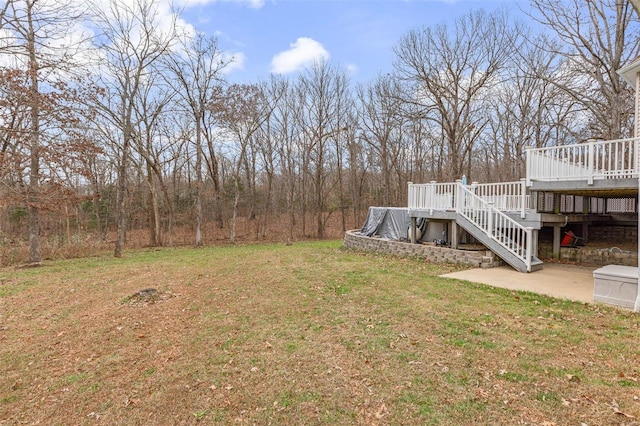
[
  {"x": 15, "y": 251},
  {"x": 302, "y": 334}
]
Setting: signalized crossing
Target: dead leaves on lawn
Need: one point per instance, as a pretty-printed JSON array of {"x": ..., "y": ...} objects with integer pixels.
[{"x": 616, "y": 409}]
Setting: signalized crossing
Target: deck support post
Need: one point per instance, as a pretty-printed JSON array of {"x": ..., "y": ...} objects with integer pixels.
[
  {"x": 413, "y": 230},
  {"x": 556, "y": 241},
  {"x": 586, "y": 205},
  {"x": 534, "y": 242},
  {"x": 556, "y": 203},
  {"x": 454, "y": 234}
]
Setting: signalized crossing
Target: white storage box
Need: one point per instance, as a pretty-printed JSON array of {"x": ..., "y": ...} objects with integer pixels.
[{"x": 616, "y": 285}]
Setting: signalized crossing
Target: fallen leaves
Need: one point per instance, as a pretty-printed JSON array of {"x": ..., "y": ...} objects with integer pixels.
[
  {"x": 264, "y": 353},
  {"x": 573, "y": 378},
  {"x": 616, "y": 409},
  {"x": 382, "y": 411}
]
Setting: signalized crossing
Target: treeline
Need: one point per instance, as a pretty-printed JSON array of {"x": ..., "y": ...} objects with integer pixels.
[{"x": 118, "y": 118}]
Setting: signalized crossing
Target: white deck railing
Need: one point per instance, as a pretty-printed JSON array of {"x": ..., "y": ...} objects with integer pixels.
[
  {"x": 505, "y": 196},
  {"x": 432, "y": 196},
  {"x": 499, "y": 227},
  {"x": 483, "y": 205},
  {"x": 589, "y": 161}
]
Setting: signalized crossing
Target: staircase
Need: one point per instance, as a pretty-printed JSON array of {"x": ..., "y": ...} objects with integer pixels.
[
  {"x": 507, "y": 238},
  {"x": 479, "y": 210},
  {"x": 595, "y": 166}
]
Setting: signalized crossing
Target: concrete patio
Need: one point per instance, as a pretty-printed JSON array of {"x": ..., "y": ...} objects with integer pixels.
[{"x": 561, "y": 281}]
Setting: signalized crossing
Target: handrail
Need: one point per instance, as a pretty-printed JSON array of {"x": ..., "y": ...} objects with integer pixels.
[
  {"x": 506, "y": 196},
  {"x": 499, "y": 227},
  {"x": 613, "y": 159},
  {"x": 484, "y": 206}
]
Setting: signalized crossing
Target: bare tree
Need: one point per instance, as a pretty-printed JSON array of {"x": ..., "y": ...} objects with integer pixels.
[
  {"x": 596, "y": 38},
  {"x": 527, "y": 109},
  {"x": 452, "y": 70},
  {"x": 132, "y": 41},
  {"x": 323, "y": 91},
  {"x": 196, "y": 75},
  {"x": 283, "y": 130},
  {"x": 273, "y": 134},
  {"x": 382, "y": 119},
  {"x": 241, "y": 109},
  {"x": 150, "y": 115},
  {"x": 36, "y": 41}
]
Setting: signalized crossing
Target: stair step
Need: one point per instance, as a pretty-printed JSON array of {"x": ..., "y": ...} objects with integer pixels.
[
  {"x": 505, "y": 251},
  {"x": 536, "y": 264}
]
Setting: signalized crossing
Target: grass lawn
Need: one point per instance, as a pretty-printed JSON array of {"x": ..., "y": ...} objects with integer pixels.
[{"x": 304, "y": 334}]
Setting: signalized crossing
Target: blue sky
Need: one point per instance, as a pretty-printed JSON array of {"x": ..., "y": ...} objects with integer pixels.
[{"x": 282, "y": 36}]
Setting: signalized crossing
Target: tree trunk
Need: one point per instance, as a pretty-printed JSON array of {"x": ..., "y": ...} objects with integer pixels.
[
  {"x": 234, "y": 218},
  {"x": 121, "y": 208},
  {"x": 33, "y": 198},
  {"x": 198, "y": 217},
  {"x": 67, "y": 223},
  {"x": 319, "y": 202},
  {"x": 96, "y": 212},
  {"x": 199, "y": 184},
  {"x": 154, "y": 213},
  {"x": 319, "y": 190},
  {"x": 215, "y": 178},
  {"x": 267, "y": 202}
]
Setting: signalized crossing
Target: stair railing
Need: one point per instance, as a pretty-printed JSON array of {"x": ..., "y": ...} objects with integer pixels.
[
  {"x": 505, "y": 196},
  {"x": 499, "y": 227}
]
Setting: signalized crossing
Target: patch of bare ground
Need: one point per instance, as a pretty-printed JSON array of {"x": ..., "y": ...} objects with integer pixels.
[{"x": 302, "y": 334}]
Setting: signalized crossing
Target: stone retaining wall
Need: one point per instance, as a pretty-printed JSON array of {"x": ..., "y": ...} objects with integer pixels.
[
  {"x": 594, "y": 256},
  {"x": 431, "y": 253}
]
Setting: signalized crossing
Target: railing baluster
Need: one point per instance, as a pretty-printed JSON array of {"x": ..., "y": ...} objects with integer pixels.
[{"x": 591, "y": 160}]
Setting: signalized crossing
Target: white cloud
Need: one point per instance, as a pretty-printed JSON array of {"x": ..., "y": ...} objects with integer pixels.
[
  {"x": 235, "y": 61},
  {"x": 305, "y": 51}
]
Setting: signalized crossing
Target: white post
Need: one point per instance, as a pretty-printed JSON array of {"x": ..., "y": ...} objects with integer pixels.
[
  {"x": 529, "y": 247},
  {"x": 590, "y": 161},
  {"x": 490, "y": 219},
  {"x": 528, "y": 165},
  {"x": 523, "y": 198},
  {"x": 432, "y": 195},
  {"x": 458, "y": 196}
]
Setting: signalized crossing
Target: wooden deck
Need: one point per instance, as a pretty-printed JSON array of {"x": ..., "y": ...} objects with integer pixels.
[{"x": 582, "y": 183}]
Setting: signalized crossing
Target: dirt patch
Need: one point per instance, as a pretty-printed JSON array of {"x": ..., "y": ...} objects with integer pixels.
[{"x": 147, "y": 296}]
